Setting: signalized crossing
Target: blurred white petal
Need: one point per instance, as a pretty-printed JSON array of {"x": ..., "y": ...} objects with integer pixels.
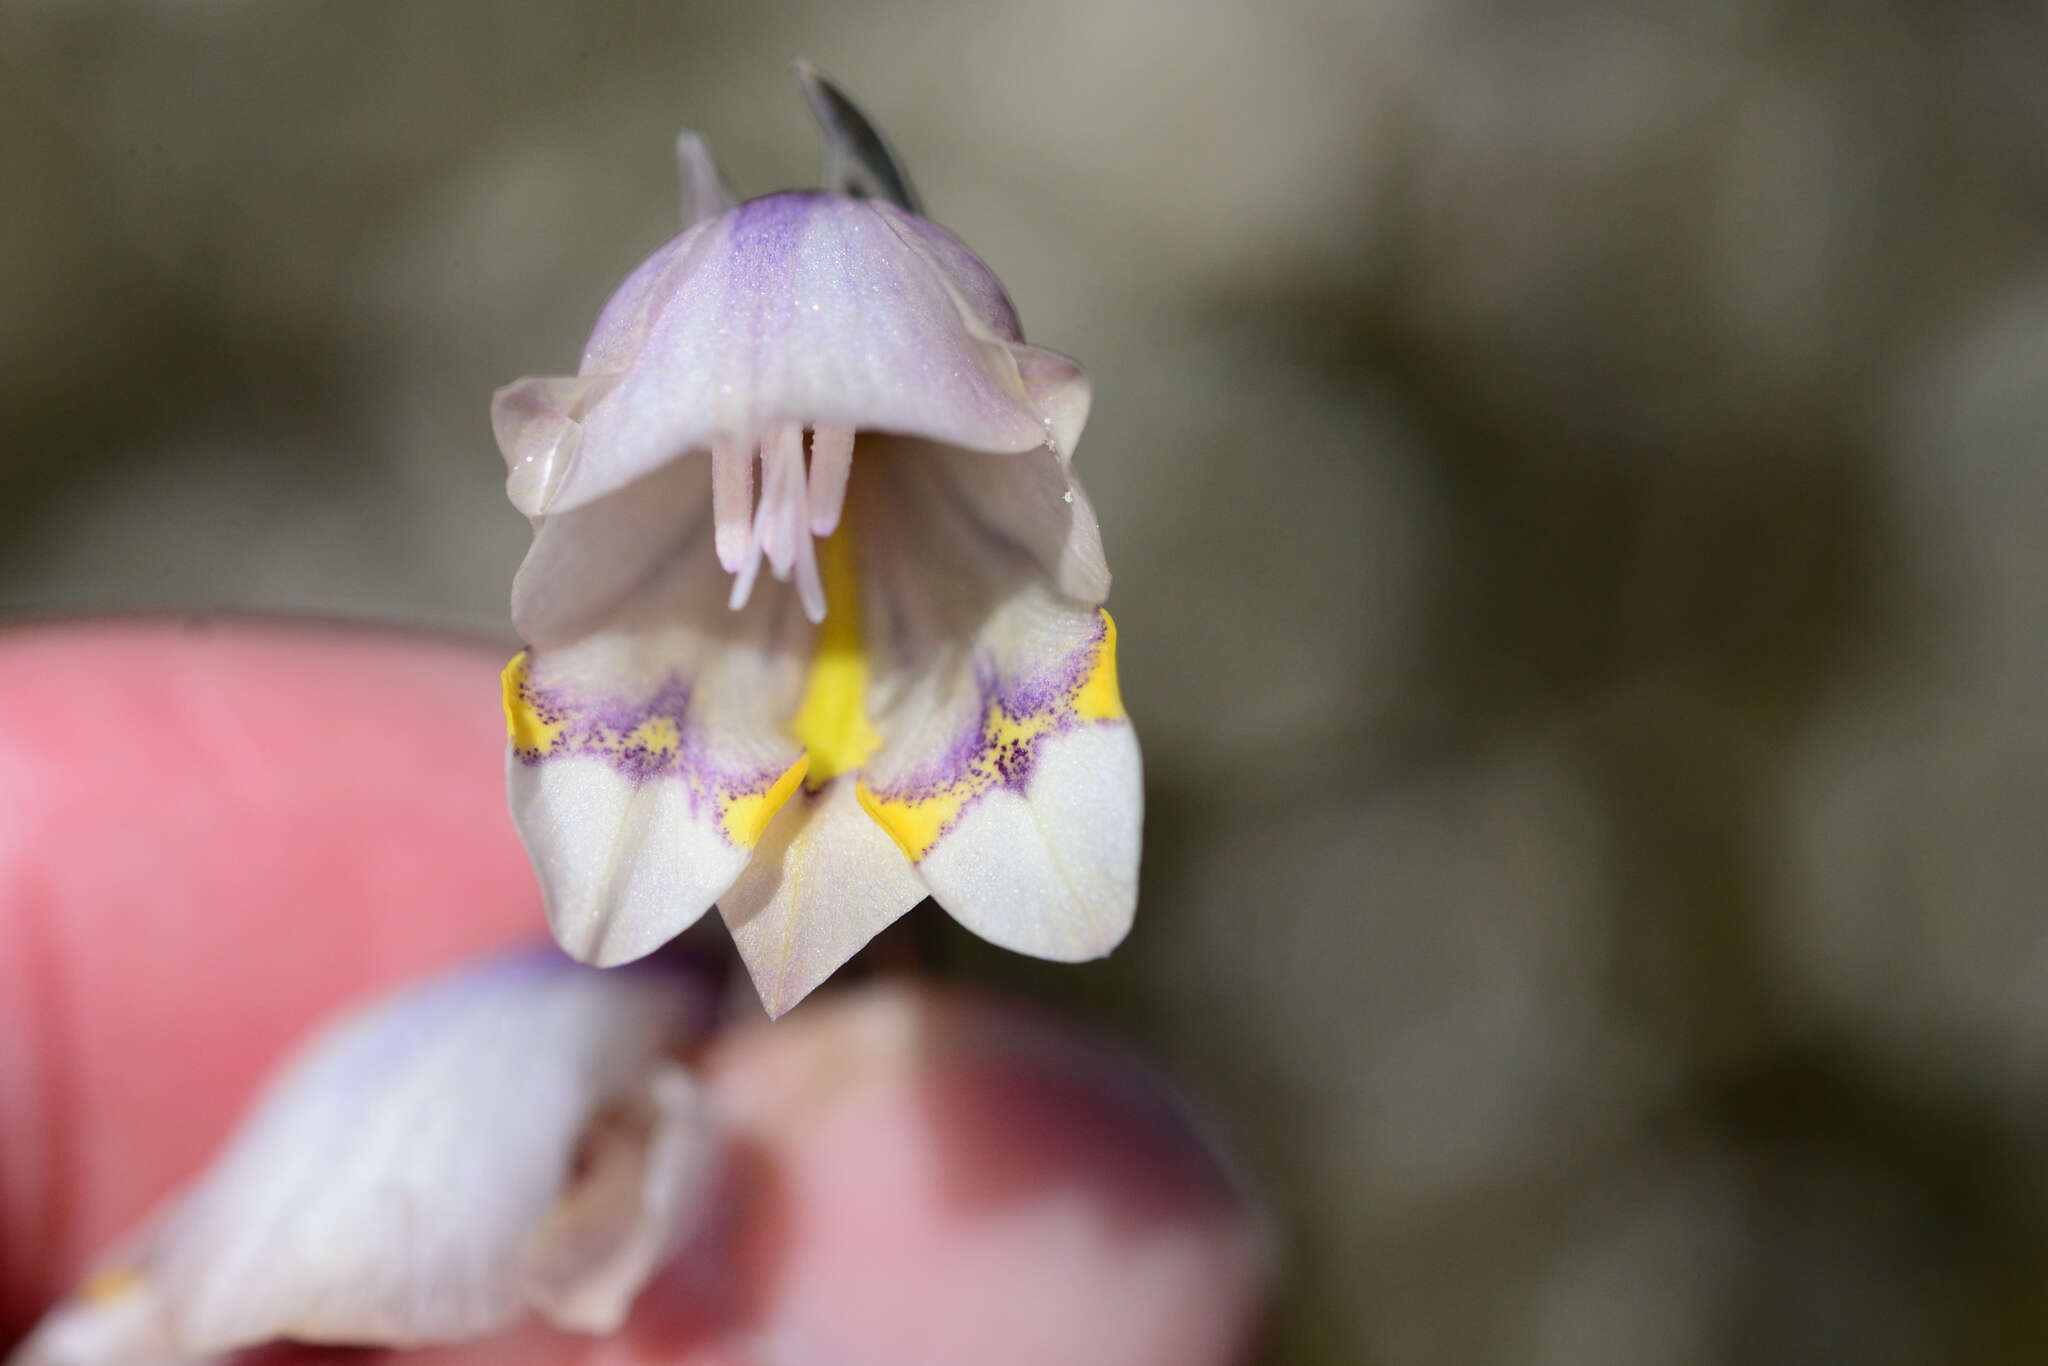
[
  {"x": 646, "y": 1170},
  {"x": 506, "y": 1137}
]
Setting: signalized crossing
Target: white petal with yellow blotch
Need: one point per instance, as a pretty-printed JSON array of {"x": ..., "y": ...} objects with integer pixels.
[
  {"x": 1008, "y": 773},
  {"x": 511, "y": 1137},
  {"x": 799, "y": 306},
  {"x": 647, "y": 757},
  {"x": 824, "y": 881}
]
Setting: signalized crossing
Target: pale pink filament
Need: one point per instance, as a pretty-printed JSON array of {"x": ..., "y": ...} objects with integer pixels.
[{"x": 794, "y": 506}]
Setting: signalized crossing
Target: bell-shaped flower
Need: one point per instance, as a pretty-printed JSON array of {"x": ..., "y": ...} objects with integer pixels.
[
  {"x": 919, "y": 695},
  {"x": 514, "y": 1137}
]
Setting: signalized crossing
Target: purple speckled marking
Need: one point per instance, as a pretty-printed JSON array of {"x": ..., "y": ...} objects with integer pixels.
[
  {"x": 604, "y": 727},
  {"x": 1045, "y": 697},
  {"x": 764, "y": 234}
]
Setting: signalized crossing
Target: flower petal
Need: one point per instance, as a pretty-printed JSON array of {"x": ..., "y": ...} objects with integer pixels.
[
  {"x": 1060, "y": 388},
  {"x": 1009, "y": 775},
  {"x": 538, "y": 421},
  {"x": 1024, "y": 818},
  {"x": 646, "y": 1173},
  {"x": 804, "y": 308},
  {"x": 389, "y": 1186},
  {"x": 1031, "y": 502},
  {"x": 981, "y": 295},
  {"x": 825, "y": 880},
  {"x": 646, "y": 759},
  {"x": 538, "y": 425},
  {"x": 585, "y": 565}
]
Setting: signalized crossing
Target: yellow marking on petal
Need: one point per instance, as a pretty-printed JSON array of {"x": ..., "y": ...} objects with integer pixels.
[
  {"x": 914, "y": 826},
  {"x": 916, "y": 822},
  {"x": 108, "y": 1285},
  {"x": 528, "y": 731},
  {"x": 747, "y": 817},
  {"x": 1098, "y": 698},
  {"x": 833, "y": 721}
]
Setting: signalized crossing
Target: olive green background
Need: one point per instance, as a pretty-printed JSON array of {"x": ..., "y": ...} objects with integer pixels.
[{"x": 1575, "y": 480}]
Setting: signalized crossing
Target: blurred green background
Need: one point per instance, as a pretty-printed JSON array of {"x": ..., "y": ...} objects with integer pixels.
[{"x": 1575, "y": 478}]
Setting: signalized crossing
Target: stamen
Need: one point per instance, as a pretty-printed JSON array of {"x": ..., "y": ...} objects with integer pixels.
[
  {"x": 732, "y": 501},
  {"x": 792, "y": 509},
  {"x": 810, "y": 589},
  {"x": 743, "y": 582},
  {"x": 831, "y": 462},
  {"x": 781, "y": 515}
]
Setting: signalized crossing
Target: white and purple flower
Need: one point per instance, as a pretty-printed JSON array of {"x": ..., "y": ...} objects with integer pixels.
[{"x": 919, "y": 697}]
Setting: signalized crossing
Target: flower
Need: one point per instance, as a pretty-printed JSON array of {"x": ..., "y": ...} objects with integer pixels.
[
  {"x": 919, "y": 696},
  {"x": 513, "y": 1136}
]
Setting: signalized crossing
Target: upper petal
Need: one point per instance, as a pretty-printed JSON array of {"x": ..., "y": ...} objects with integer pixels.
[
  {"x": 980, "y": 293},
  {"x": 586, "y": 564},
  {"x": 808, "y": 308},
  {"x": 538, "y": 421}
]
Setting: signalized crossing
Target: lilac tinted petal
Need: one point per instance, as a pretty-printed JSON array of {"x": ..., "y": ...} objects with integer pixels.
[
  {"x": 1061, "y": 390},
  {"x": 803, "y": 308},
  {"x": 538, "y": 425},
  {"x": 622, "y": 325},
  {"x": 980, "y": 292}
]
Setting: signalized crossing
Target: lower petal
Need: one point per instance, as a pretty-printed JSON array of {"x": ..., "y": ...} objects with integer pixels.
[
  {"x": 824, "y": 881},
  {"x": 1012, "y": 782},
  {"x": 1049, "y": 867},
  {"x": 646, "y": 759}
]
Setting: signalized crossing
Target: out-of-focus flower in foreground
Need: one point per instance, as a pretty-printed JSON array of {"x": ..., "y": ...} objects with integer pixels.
[
  {"x": 920, "y": 696},
  {"x": 514, "y": 1137}
]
